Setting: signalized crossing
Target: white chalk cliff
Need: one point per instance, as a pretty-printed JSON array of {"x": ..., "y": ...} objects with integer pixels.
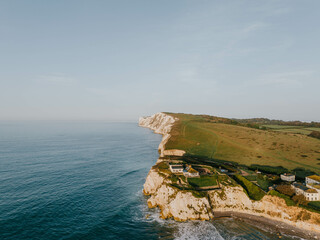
[
  {"x": 183, "y": 205},
  {"x": 161, "y": 123}
]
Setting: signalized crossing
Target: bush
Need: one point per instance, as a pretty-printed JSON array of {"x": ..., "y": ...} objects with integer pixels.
[
  {"x": 314, "y": 205},
  {"x": 289, "y": 202},
  {"x": 315, "y": 134},
  {"x": 254, "y": 192},
  {"x": 300, "y": 200},
  {"x": 285, "y": 189}
]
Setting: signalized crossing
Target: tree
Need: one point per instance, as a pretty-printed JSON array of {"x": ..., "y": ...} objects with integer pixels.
[{"x": 285, "y": 189}]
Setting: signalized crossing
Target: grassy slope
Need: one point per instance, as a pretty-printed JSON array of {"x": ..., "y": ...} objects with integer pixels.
[{"x": 243, "y": 145}]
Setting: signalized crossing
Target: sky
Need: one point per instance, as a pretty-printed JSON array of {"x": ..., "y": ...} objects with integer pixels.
[{"x": 118, "y": 60}]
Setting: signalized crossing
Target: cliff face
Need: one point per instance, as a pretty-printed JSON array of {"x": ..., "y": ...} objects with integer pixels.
[
  {"x": 234, "y": 199},
  {"x": 178, "y": 204},
  {"x": 183, "y": 205},
  {"x": 161, "y": 123}
]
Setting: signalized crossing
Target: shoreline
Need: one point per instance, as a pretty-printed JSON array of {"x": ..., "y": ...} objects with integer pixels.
[{"x": 267, "y": 224}]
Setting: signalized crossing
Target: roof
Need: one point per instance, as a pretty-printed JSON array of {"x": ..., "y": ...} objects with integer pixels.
[
  {"x": 191, "y": 170},
  {"x": 299, "y": 185},
  {"x": 287, "y": 174},
  {"x": 315, "y": 185},
  {"x": 314, "y": 177},
  {"x": 176, "y": 166},
  {"x": 310, "y": 190}
]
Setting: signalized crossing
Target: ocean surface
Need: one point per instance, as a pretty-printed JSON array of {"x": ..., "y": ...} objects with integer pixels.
[{"x": 84, "y": 180}]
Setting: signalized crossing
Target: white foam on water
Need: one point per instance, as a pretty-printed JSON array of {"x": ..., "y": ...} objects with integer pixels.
[
  {"x": 145, "y": 214},
  {"x": 197, "y": 230}
]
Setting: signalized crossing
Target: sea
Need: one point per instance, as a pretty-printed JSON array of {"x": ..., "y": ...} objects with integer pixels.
[{"x": 84, "y": 180}]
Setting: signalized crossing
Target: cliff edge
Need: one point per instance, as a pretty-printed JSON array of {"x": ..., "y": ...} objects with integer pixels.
[{"x": 161, "y": 123}]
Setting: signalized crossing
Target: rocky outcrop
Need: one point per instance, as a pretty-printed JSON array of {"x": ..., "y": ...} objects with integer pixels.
[
  {"x": 234, "y": 199},
  {"x": 175, "y": 203},
  {"x": 161, "y": 123}
]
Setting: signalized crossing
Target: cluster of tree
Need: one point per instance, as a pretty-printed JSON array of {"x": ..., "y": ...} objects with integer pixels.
[
  {"x": 302, "y": 173},
  {"x": 237, "y": 122},
  {"x": 263, "y": 121},
  {"x": 315, "y": 134}
]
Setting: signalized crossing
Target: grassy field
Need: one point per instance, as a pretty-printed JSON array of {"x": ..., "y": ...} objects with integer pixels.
[
  {"x": 227, "y": 142},
  {"x": 203, "y": 181}
]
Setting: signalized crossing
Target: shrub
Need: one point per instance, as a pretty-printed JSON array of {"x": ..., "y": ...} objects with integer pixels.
[
  {"x": 302, "y": 173},
  {"x": 315, "y": 134},
  {"x": 285, "y": 189},
  {"x": 254, "y": 192},
  {"x": 300, "y": 200},
  {"x": 289, "y": 202},
  {"x": 314, "y": 205}
]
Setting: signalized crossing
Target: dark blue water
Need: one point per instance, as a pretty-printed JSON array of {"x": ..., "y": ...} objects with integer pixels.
[{"x": 80, "y": 180}]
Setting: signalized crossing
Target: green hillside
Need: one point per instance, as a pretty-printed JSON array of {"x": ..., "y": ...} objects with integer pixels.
[{"x": 228, "y": 140}]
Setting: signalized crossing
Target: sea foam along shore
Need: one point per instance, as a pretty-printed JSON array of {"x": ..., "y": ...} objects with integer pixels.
[{"x": 182, "y": 205}]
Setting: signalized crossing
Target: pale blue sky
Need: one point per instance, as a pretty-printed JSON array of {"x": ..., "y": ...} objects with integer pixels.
[{"x": 118, "y": 60}]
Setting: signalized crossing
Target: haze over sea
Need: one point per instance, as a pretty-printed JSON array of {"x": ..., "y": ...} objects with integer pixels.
[{"x": 84, "y": 180}]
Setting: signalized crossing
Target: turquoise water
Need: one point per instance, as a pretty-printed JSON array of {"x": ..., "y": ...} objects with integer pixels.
[{"x": 84, "y": 180}]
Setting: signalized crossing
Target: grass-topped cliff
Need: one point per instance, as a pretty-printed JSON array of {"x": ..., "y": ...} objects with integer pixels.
[{"x": 246, "y": 142}]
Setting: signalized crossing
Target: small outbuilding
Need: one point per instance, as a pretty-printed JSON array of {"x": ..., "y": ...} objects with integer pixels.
[{"x": 288, "y": 177}]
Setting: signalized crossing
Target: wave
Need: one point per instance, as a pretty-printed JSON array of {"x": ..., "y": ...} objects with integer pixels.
[{"x": 197, "y": 230}]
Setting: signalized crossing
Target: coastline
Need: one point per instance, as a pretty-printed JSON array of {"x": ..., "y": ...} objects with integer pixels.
[
  {"x": 268, "y": 224},
  {"x": 261, "y": 222}
]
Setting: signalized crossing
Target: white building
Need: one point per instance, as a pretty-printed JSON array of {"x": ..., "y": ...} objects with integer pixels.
[
  {"x": 309, "y": 193},
  {"x": 176, "y": 168},
  {"x": 313, "y": 182},
  {"x": 314, "y": 179},
  {"x": 288, "y": 177}
]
